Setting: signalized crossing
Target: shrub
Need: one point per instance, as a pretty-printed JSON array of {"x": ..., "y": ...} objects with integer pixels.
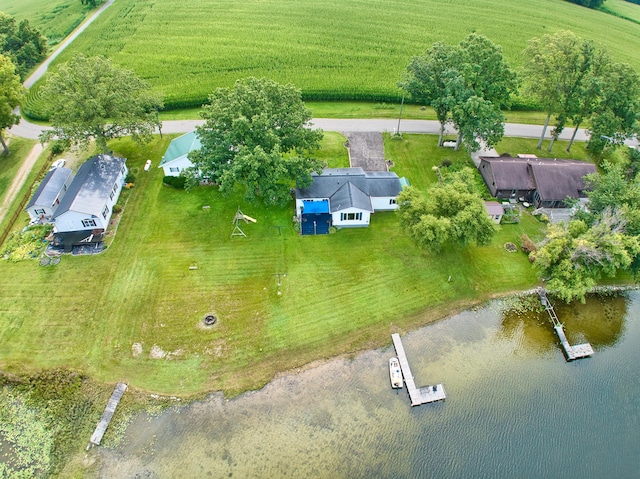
[
  {"x": 58, "y": 147},
  {"x": 130, "y": 178},
  {"x": 177, "y": 182},
  {"x": 527, "y": 245}
]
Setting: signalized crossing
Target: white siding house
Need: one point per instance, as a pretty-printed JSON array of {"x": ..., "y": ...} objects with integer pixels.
[
  {"x": 84, "y": 213},
  {"x": 176, "y": 158},
  {"x": 345, "y": 198},
  {"x": 45, "y": 201}
]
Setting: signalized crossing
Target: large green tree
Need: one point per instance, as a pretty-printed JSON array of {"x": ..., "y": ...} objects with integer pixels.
[
  {"x": 427, "y": 80},
  {"x": 452, "y": 214},
  {"x": 574, "y": 256},
  {"x": 11, "y": 93},
  {"x": 599, "y": 241},
  {"x": 556, "y": 67},
  {"x": 466, "y": 84},
  {"x": 616, "y": 115},
  {"x": 257, "y": 135},
  {"x": 22, "y": 43},
  {"x": 92, "y": 99}
]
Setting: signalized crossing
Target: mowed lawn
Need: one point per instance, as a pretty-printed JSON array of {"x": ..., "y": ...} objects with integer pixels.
[
  {"x": 331, "y": 50},
  {"x": 342, "y": 292}
]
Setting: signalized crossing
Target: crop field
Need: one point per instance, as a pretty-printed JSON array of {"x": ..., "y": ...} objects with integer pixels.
[
  {"x": 331, "y": 50},
  {"x": 624, "y": 9},
  {"x": 55, "y": 19}
]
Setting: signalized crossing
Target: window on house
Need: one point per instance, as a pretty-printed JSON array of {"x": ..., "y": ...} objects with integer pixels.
[
  {"x": 39, "y": 211},
  {"x": 392, "y": 201},
  {"x": 111, "y": 195},
  {"x": 174, "y": 169},
  {"x": 122, "y": 170},
  {"x": 115, "y": 187},
  {"x": 105, "y": 212},
  {"x": 88, "y": 223},
  {"x": 350, "y": 216}
]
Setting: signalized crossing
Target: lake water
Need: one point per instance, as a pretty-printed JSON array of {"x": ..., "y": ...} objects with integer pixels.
[{"x": 515, "y": 409}]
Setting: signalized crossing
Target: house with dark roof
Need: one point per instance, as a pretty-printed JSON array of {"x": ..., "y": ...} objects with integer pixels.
[
  {"x": 45, "y": 201},
  {"x": 176, "y": 158},
  {"x": 345, "y": 198},
  {"x": 83, "y": 214},
  {"x": 545, "y": 182}
]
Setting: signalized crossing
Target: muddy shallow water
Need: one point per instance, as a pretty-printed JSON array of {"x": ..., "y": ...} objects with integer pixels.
[{"x": 515, "y": 408}]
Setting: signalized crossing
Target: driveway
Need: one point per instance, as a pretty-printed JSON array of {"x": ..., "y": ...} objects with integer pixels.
[{"x": 366, "y": 150}]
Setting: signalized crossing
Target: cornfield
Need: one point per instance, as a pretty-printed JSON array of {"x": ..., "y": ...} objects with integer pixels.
[{"x": 331, "y": 49}]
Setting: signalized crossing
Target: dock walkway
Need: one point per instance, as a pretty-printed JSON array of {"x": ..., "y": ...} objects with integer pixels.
[
  {"x": 96, "y": 437},
  {"x": 571, "y": 352},
  {"x": 418, "y": 396}
]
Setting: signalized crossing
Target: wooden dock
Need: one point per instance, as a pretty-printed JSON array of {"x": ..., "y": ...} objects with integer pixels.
[
  {"x": 418, "y": 396},
  {"x": 96, "y": 437},
  {"x": 571, "y": 352}
]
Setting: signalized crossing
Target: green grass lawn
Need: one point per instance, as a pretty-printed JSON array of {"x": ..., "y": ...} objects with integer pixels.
[
  {"x": 9, "y": 165},
  {"x": 579, "y": 151},
  {"x": 331, "y": 50},
  {"x": 343, "y": 292},
  {"x": 55, "y": 19}
]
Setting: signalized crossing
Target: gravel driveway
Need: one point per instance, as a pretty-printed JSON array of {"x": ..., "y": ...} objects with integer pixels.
[{"x": 366, "y": 150}]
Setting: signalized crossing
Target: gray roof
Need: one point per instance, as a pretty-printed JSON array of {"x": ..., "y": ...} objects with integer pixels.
[
  {"x": 347, "y": 187},
  {"x": 90, "y": 189},
  {"x": 50, "y": 187},
  {"x": 350, "y": 196}
]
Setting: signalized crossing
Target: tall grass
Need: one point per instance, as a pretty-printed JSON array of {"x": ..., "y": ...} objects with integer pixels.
[{"x": 331, "y": 50}]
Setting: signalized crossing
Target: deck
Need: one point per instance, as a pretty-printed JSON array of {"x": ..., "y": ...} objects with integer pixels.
[
  {"x": 107, "y": 415},
  {"x": 571, "y": 352},
  {"x": 418, "y": 396}
]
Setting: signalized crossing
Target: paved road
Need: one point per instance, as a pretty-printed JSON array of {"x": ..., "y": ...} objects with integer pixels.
[
  {"x": 29, "y": 130},
  {"x": 42, "y": 69}
]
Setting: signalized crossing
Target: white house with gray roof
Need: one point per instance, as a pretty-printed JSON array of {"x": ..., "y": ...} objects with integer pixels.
[
  {"x": 84, "y": 213},
  {"x": 345, "y": 198},
  {"x": 176, "y": 158},
  {"x": 45, "y": 201}
]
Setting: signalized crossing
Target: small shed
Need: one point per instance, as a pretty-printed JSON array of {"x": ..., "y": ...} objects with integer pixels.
[
  {"x": 494, "y": 210},
  {"x": 176, "y": 158}
]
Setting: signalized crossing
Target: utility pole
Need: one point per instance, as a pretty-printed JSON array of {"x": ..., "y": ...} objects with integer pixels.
[{"x": 400, "y": 117}]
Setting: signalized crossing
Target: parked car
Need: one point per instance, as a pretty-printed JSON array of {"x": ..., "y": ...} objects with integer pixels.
[{"x": 58, "y": 164}]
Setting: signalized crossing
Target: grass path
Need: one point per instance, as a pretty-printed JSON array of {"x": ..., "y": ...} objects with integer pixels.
[{"x": 19, "y": 179}]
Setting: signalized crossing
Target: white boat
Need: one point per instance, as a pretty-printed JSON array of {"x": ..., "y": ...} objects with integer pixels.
[{"x": 394, "y": 373}]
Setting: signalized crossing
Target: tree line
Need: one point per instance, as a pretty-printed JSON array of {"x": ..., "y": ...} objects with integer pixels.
[{"x": 571, "y": 79}]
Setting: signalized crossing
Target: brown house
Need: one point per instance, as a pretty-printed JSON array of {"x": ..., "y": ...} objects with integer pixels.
[{"x": 545, "y": 182}]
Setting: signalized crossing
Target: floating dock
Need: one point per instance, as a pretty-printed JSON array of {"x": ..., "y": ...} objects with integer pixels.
[
  {"x": 96, "y": 437},
  {"x": 571, "y": 352},
  {"x": 418, "y": 396}
]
